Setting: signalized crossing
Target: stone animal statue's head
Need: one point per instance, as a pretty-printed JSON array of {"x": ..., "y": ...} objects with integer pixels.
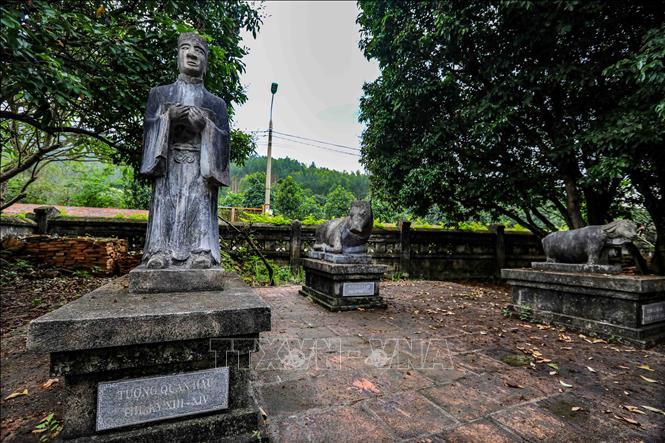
[
  {"x": 361, "y": 219},
  {"x": 620, "y": 231}
]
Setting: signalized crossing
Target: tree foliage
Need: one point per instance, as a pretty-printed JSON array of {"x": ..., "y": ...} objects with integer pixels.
[
  {"x": 76, "y": 74},
  {"x": 316, "y": 179},
  {"x": 508, "y": 107},
  {"x": 338, "y": 203},
  {"x": 253, "y": 188},
  {"x": 294, "y": 202}
]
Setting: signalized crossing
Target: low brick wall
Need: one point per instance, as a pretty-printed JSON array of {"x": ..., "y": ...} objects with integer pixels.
[{"x": 108, "y": 255}]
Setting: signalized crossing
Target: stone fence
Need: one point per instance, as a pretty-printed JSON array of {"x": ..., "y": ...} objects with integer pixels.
[{"x": 421, "y": 253}]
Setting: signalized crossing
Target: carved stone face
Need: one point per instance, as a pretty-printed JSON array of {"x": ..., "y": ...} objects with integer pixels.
[
  {"x": 621, "y": 231},
  {"x": 192, "y": 58},
  {"x": 361, "y": 218}
]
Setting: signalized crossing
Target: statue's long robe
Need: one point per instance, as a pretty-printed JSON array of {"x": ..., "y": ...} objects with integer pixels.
[{"x": 188, "y": 166}]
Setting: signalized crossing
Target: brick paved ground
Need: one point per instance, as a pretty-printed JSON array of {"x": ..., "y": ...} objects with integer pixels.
[
  {"x": 492, "y": 382},
  {"x": 320, "y": 377}
]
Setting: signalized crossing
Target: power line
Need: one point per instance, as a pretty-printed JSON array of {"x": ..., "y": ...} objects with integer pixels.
[
  {"x": 317, "y": 141},
  {"x": 308, "y": 139},
  {"x": 315, "y": 146}
]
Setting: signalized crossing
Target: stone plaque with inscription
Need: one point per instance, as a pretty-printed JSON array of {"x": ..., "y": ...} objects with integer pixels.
[
  {"x": 653, "y": 313},
  {"x": 356, "y": 289},
  {"x": 141, "y": 400}
]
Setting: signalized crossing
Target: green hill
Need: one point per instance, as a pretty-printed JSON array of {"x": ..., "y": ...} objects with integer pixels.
[{"x": 320, "y": 181}]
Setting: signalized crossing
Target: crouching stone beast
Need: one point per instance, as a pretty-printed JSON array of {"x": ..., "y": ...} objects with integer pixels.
[
  {"x": 589, "y": 244},
  {"x": 346, "y": 235}
]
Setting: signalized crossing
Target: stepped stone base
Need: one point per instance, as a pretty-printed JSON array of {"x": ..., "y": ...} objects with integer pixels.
[
  {"x": 576, "y": 267},
  {"x": 624, "y": 307},
  {"x": 143, "y": 280},
  {"x": 343, "y": 287},
  {"x": 111, "y": 334}
]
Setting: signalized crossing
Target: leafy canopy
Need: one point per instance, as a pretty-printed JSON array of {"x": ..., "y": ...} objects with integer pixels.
[
  {"x": 490, "y": 107},
  {"x": 85, "y": 69}
]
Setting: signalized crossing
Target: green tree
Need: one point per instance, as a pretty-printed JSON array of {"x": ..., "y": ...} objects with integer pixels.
[
  {"x": 338, "y": 202},
  {"x": 253, "y": 188},
  {"x": 230, "y": 198},
  {"x": 287, "y": 198},
  {"x": 497, "y": 107},
  {"x": 76, "y": 75},
  {"x": 99, "y": 186},
  {"x": 632, "y": 136},
  {"x": 318, "y": 181},
  {"x": 292, "y": 201}
]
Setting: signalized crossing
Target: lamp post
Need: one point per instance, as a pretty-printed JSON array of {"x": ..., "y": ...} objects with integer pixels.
[{"x": 266, "y": 201}]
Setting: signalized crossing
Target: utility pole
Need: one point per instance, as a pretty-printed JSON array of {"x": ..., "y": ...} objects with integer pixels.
[{"x": 266, "y": 201}]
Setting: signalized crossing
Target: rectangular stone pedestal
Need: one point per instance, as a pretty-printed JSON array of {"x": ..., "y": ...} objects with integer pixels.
[
  {"x": 576, "y": 267},
  {"x": 143, "y": 280},
  {"x": 343, "y": 287},
  {"x": 625, "y": 307},
  {"x": 111, "y": 335}
]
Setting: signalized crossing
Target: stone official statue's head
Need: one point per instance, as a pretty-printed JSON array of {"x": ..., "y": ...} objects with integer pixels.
[{"x": 192, "y": 54}]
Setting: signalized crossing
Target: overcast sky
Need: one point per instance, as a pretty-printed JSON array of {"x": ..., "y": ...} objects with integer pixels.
[{"x": 311, "y": 50}]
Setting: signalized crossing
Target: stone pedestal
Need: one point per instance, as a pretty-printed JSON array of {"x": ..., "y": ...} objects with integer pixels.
[
  {"x": 111, "y": 335},
  {"x": 144, "y": 280},
  {"x": 343, "y": 286},
  {"x": 625, "y": 307}
]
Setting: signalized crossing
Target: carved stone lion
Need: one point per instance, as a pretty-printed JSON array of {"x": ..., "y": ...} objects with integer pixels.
[
  {"x": 347, "y": 235},
  {"x": 589, "y": 244}
]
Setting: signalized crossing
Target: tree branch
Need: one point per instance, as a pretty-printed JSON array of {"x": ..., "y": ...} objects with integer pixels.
[
  {"x": 55, "y": 129},
  {"x": 21, "y": 194},
  {"x": 29, "y": 162},
  {"x": 544, "y": 219}
]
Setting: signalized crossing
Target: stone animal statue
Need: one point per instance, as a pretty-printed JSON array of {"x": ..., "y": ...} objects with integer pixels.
[
  {"x": 347, "y": 235},
  {"x": 589, "y": 244}
]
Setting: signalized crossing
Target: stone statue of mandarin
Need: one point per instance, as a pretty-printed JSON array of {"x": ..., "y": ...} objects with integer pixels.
[{"x": 186, "y": 152}]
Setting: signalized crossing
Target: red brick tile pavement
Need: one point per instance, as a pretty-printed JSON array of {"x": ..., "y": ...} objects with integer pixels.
[
  {"x": 375, "y": 379},
  {"x": 75, "y": 211}
]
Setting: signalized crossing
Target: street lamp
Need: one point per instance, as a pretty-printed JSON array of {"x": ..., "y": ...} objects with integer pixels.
[{"x": 266, "y": 202}]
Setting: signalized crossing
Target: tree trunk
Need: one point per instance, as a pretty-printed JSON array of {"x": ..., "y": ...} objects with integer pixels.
[
  {"x": 656, "y": 208},
  {"x": 598, "y": 202},
  {"x": 573, "y": 203}
]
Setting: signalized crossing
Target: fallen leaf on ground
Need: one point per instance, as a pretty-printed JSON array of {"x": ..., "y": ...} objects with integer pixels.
[
  {"x": 591, "y": 369},
  {"x": 650, "y": 380},
  {"x": 598, "y": 340},
  {"x": 575, "y": 408},
  {"x": 365, "y": 385},
  {"x": 553, "y": 373},
  {"x": 564, "y": 337},
  {"x": 646, "y": 368},
  {"x": 17, "y": 394},
  {"x": 634, "y": 409},
  {"x": 626, "y": 419},
  {"x": 652, "y": 409},
  {"x": 50, "y": 382},
  {"x": 553, "y": 366},
  {"x": 514, "y": 385},
  {"x": 564, "y": 384}
]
